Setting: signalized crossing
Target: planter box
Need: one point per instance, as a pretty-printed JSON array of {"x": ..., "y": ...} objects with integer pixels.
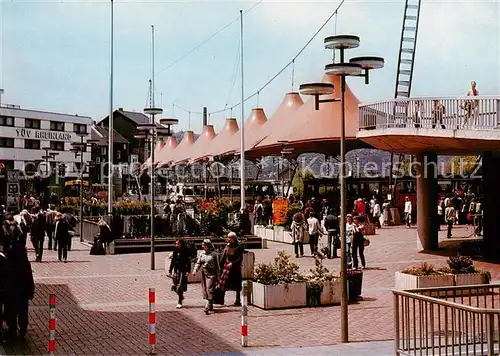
[
  {"x": 369, "y": 229},
  {"x": 260, "y": 231},
  {"x": 279, "y": 232},
  {"x": 269, "y": 234},
  {"x": 279, "y": 296},
  {"x": 405, "y": 281},
  {"x": 248, "y": 265},
  {"x": 469, "y": 279},
  {"x": 331, "y": 294},
  {"x": 354, "y": 285},
  {"x": 287, "y": 237}
]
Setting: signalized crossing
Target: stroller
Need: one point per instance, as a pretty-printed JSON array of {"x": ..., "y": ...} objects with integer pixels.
[{"x": 98, "y": 246}]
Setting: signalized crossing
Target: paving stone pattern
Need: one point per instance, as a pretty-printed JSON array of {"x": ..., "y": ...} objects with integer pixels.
[{"x": 102, "y": 307}]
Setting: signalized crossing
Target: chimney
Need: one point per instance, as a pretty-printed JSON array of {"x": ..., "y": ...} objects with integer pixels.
[
  {"x": 1, "y": 92},
  {"x": 205, "y": 116},
  {"x": 120, "y": 109}
]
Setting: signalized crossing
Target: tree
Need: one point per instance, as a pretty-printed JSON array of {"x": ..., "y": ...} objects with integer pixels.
[
  {"x": 462, "y": 166},
  {"x": 298, "y": 182}
]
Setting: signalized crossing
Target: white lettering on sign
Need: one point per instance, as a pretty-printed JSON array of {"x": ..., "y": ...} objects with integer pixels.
[{"x": 44, "y": 135}]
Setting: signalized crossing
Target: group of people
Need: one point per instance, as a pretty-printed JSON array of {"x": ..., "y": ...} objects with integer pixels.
[
  {"x": 39, "y": 224},
  {"x": 220, "y": 271},
  {"x": 310, "y": 228}
]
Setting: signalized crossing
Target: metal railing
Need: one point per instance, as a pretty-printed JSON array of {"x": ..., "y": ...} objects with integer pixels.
[
  {"x": 467, "y": 113},
  {"x": 463, "y": 320}
]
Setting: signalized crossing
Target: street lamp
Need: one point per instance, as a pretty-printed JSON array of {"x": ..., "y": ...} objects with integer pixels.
[
  {"x": 47, "y": 157},
  {"x": 151, "y": 132},
  {"x": 359, "y": 66},
  {"x": 79, "y": 148}
]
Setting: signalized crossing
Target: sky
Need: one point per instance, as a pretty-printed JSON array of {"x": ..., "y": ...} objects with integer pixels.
[{"x": 55, "y": 56}]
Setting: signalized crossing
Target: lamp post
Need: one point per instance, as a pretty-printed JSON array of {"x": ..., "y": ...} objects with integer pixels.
[
  {"x": 359, "y": 66},
  {"x": 149, "y": 132},
  {"x": 79, "y": 148}
]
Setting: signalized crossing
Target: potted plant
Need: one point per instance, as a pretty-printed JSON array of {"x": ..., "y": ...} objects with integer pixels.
[
  {"x": 278, "y": 284},
  {"x": 323, "y": 286},
  {"x": 425, "y": 275}
]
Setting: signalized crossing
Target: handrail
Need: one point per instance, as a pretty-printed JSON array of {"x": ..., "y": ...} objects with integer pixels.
[
  {"x": 421, "y": 98},
  {"x": 461, "y": 112},
  {"x": 426, "y": 322}
]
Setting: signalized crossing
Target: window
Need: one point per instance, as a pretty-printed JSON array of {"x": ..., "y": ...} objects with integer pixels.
[
  {"x": 104, "y": 150},
  {"x": 57, "y": 146},
  {"x": 32, "y": 123},
  {"x": 6, "y": 142},
  {"x": 118, "y": 154},
  {"x": 56, "y": 126},
  {"x": 79, "y": 128},
  {"x": 32, "y": 144},
  {"x": 6, "y": 121}
]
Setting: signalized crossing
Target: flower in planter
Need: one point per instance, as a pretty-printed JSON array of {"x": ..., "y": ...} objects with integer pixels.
[{"x": 423, "y": 269}]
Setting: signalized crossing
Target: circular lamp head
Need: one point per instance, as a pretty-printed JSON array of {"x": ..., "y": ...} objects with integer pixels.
[
  {"x": 91, "y": 142},
  {"x": 47, "y": 157},
  {"x": 169, "y": 121},
  {"x": 287, "y": 151},
  {"x": 343, "y": 69},
  {"x": 164, "y": 132},
  {"x": 145, "y": 127},
  {"x": 82, "y": 134},
  {"x": 53, "y": 154},
  {"x": 140, "y": 136},
  {"x": 46, "y": 148},
  {"x": 316, "y": 89},
  {"x": 341, "y": 42},
  {"x": 77, "y": 146},
  {"x": 153, "y": 111},
  {"x": 368, "y": 62}
]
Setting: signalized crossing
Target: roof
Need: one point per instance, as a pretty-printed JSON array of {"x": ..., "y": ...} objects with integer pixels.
[
  {"x": 255, "y": 121},
  {"x": 159, "y": 146},
  {"x": 101, "y": 134},
  {"x": 187, "y": 140},
  {"x": 167, "y": 151},
  {"x": 136, "y": 117},
  {"x": 311, "y": 130},
  {"x": 218, "y": 144},
  {"x": 198, "y": 147}
]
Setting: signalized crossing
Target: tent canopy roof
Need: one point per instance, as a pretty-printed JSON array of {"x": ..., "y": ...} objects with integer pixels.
[{"x": 220, "y": 142}]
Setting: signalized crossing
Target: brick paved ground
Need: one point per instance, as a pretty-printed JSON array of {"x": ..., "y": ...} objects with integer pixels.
[{"x": 102, "y": 305}]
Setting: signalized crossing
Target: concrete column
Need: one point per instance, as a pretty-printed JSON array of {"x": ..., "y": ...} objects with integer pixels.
[
  {"x": 490, "y": 200},
  {"x": 427, "y": 219}
]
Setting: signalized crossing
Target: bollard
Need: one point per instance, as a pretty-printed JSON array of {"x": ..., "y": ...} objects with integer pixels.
[
  {"x": 152, "y": 321},
  {"x": 52, "y": 324},
  {"x": 244, "y": 316}
]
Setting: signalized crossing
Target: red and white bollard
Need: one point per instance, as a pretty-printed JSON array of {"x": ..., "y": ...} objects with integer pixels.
[
  {"x": 244, "y": 316},
  {"x": 152, "y": 321},
  {"x": 52, "y": 324}
]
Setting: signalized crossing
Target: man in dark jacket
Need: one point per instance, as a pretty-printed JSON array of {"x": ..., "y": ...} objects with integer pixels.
[
  {"x": 181, "y": 266},
  {"x": 20, "y": 289},
  {"x": 38, "y": 233},
  {"x": 333, "y": 228}
]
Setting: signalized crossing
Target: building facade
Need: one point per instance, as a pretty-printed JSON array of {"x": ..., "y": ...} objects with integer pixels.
[{"x": 24, "y": 135}]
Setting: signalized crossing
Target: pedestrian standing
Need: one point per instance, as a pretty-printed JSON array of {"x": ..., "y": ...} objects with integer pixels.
[
  {"x": 450, "y": 216},
  {"x": 314, "y": 232},
  {"x": 62, "y": 237},
  {"x": 299, "y": 229},
  {"x": 408, "y": 211},
  {"x": 38, "y": 233}
]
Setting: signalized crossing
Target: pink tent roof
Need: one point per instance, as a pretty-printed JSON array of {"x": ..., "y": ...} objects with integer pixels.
[
  {"x": 167, "y": 150},
  {"x": 219, "y": 143},
  {"x": 187, "y": 141},
  {"x": 201, "y": 144},
  {"x": 309, "y": 129},
  {"x": 278, "y": 121},
  {"x": 159, "y": 146},
  {"x": 253, "y": 124}
]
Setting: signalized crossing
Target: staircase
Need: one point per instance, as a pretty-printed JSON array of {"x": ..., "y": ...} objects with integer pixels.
[{"x": 406, "y": 61}]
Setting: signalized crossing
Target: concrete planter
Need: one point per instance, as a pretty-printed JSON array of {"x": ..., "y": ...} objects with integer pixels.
[
  {"x": 269, "y": 234},
  {"x": 260, "y": 231},
  {"x": 332, "y": 293},
  {"x": 469, "y": 279},
  {"x": 287, "y": 237},
  {"x": 279, "y": 232},
  {"x": 405, "y": 281},
  {"x": 279, "y": 296}
]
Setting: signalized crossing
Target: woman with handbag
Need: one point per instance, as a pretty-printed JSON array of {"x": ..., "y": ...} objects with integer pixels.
[
  {"x": 358, "y": 243},
  {"x": 180, "y": 266},
  {"x": 299, "y": 230},
  {"x": 209, "y": 264},
  {"x": 232, "y": 259}
]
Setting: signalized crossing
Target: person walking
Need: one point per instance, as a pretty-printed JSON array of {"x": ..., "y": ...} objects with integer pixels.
[
  {"x": 450, "y": 216},
  {"x": 376, "y": 214},
  {"x": 50, "y": 225},
  {"x": 180, "y": 267},
  {"x": 232, "y": 259},
  {"x": 332, "y": 227},
  {"x": 314, "y": 232},
  {"x": 209, "y": 265},
  {"x": 299, "y": 230},
  {"x": 408, "y": 211},
  {"x": 349, "y": 235},
  {"x": 20, "y": 289},
  {"x": 37, "y": 233},
  {"x": 358, "y": 243},
  {"x": 62, "y": 237}
]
